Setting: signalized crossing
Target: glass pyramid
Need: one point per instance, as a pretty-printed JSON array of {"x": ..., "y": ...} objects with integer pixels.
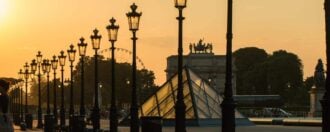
[{"x": 202, "y": 101}]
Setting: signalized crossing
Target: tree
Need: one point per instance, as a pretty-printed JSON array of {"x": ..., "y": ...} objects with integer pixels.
[
  {"x": 247, "y": 61},
  {"x": 145, "y": 81},
  {"x": 145, "y": 84},
  {"x": 279, "y": 73},
  {"x": 284, "y": 74}
]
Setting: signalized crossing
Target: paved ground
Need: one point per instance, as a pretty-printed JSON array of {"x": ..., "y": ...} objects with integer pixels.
[{"x": 258, "y": 128}]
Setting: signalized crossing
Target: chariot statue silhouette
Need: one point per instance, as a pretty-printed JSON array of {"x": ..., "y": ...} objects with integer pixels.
[{"x": 200, "y": 47}]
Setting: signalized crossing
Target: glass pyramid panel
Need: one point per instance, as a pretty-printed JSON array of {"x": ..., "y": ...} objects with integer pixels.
[{"x": 202, "y": 101}]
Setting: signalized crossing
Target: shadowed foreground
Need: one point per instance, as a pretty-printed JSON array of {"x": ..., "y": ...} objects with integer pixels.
[{"x": 259, "y": 128}]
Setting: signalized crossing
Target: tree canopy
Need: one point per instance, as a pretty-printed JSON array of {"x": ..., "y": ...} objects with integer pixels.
[
  {"x": 250, "y": 75},
  {"x": 145, "y": 83},
  {"x": 279, "y": 73}
]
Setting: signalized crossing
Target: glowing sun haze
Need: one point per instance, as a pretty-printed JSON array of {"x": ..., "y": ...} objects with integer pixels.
[
  {"x": 3, "y": 8},
  {"x": 50, "y": 26}
]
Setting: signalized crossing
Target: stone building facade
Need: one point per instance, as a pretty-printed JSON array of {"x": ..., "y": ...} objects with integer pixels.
[{"x": 205, "y": 63}]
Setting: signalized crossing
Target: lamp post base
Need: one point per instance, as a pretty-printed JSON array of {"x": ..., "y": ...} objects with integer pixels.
[
  {"x": 49, "y": 123},
  {"x": 17, "y": 118},
  {"x": 325, "y": 115},
  {"x": 62, "y": 118},
  {"x": 228, "y": 112},
  {"x": 79, "y": 124},
  {"x": 96, "y": 119},
  {"x": 28, "y": 121},
  {"x": 23, "y": 126},
  {"x": 40, "y": 124}
]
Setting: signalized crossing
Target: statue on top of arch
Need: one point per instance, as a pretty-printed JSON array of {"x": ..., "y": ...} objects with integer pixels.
[{"x": 200, "y": 47}]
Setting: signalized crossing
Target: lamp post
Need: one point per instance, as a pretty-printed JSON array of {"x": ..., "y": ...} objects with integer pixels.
[
  {"x": 61, "y": 59},
  {"x": 17, "y": 103},
  {"x": 49, "y": 123},
  {"x": 326, "y": 98},
  {"x": 228, "y": 104},
  {"x": 133, "y": 22},
  {"x": 113, "y": 33},
  {"x": 33, "y": 66},
  {"x": 54, "y": 63},
  {"x": 46, "y": 69},
  {"x": 28, "y": 116},
  {"x": 21, "y": 75},
  {"x": 96, "y": 39},
  {"x": 180, "y": 107},
  {"x": 82, "y": 52},
  {"x": 71, "y": 54}
]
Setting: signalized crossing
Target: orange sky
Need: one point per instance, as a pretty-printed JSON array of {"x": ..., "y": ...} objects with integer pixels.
[{"x": 27, "y": 26}]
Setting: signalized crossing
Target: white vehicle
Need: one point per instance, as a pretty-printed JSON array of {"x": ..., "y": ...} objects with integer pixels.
[{"x": 275, "y": 112}]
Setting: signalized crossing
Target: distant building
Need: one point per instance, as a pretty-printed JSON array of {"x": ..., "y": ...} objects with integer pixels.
[{"x": 204, "y": 63}]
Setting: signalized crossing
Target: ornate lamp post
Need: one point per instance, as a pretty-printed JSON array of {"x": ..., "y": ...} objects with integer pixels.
[
  {"x": 61, "y": 59},
  {"x": 46, "y": 69},
  {"x": 180, "y": 107},
  {"x": 28, "y": 116},
  {"x": 71, "y": 54},
  {"x": 33, "y": 66},
  {"x": 26, "y": 77},
  {"x": 49, "y": 124},
  {"x": 96, "y": 39},
  {"x": 112, "y": 33},
  {"x": 82, "y": 52},
  {"x": 21, "y": 76},
  {"x": 54, "y": 63},
  {"x": 228, "y": 104},
  {"x": 133, "y": 22}
]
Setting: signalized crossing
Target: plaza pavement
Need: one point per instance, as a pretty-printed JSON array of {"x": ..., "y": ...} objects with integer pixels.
[{"x": 257, "y": 128}]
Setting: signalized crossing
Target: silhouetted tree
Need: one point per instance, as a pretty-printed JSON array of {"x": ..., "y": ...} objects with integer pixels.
[
  {"x": 145, "y": 84},
  {"x": 250, "y": 74},
  {"x": 280, "y": 73},
  {"x": 285, "y": 75}
]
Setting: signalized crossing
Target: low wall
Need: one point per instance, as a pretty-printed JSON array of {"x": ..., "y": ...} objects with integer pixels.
[{"x": 287, "y": 121}]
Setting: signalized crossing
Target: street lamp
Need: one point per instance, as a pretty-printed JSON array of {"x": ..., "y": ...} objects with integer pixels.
[
  {"x": 21, "y": 77},
  {"x": 82, "y": 52},
  {"x": 133, "y": 22},
  {"x": 180, "y": 107},
  {"x": 71, "y": 54},
  {"x": 34, "y": 66},
  {"x": 28, "y": 116},
  {"x": 112, "y": 33},
  {"x": 61, "y": 59},
  {"x": 228, "y": 104},
  {"x": 46, "y": 69},
  {"x": 49, "y": 124},
  {"x": 54, "y": 63},
  {"x": 96, "y": 39}
]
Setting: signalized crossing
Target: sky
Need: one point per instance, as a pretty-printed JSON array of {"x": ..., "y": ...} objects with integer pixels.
[{"x": 49, "y": 26}]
